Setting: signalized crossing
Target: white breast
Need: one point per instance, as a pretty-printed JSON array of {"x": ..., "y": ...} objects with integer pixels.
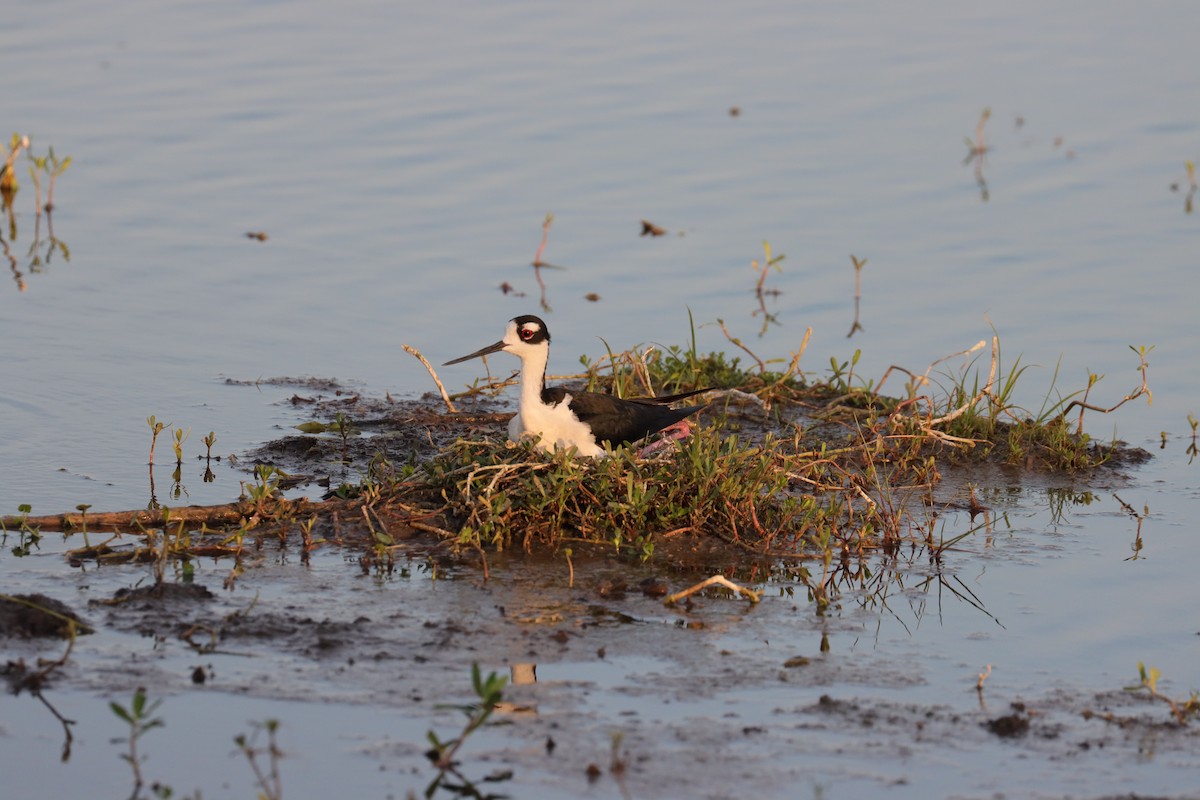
[{"x": 554, "y": 426}]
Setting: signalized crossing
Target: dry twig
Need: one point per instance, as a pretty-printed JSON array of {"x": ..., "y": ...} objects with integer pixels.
[
  {"x": 715, "y": 580},
  {"x": 412, "y": 351}
]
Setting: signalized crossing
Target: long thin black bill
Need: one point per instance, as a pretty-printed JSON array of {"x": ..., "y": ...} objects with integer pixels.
[{"x": 491, "y": 348}]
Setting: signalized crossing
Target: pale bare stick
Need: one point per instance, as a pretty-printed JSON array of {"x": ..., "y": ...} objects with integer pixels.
[
  {"x": 412, "y": 351},
  {"x": 715, "y": 580},
  {"x": 734, "y": 340},
  {"x": 986, "y": 390},
  {"x": 922, "y": 380},
  {"x": 797, "y": 355},
  {"x": 1144, "y": 389},
  {"x": 983, "y": 676}
]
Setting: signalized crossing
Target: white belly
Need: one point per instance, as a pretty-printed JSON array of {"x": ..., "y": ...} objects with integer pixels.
[{"x": 555, "y": 427}]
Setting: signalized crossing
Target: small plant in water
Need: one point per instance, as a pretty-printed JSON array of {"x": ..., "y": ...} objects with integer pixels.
[
  {"x": 1181, "y": 710},
  {"x": 177, "y": 445},
  {"x": 270, "y": 787},
  {"x": 8, "y": 175},
  {"x": 156, "y": 428},
  {"x": 1192, "y": 450},
  {"x": 54, "y": 167},
  {"x": 760, "y": 291},
  {"x": 28, "y": 536},
  {"x": 209, "y": 441},
  {"x": 490, "y": 693},
  {"x": 139, "y": 716},
  {"x": 858, "y": 265}
]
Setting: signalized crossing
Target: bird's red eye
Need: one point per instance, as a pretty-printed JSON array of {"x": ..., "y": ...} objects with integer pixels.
[{"x": 527, "y": 333}]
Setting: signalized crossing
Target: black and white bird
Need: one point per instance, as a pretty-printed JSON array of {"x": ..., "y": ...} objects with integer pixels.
[{"x": 563, "y": 418}]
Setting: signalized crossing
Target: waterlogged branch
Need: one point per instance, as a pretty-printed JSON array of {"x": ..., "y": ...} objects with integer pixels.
[
  {"x": 226, "y": 514},
  {"x": 715, "y": 580}
]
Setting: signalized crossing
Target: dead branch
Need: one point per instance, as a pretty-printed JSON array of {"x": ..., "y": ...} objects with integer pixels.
[
  {"x": 219, "y": 515},
  {"x": 1144, "y": 389},
  {"x": 412, "y": 351},
  {"x": 922, "y": 380},
  {"x": 985, "y": 391},
  {"x": 715, "y": 580},
  {"x": 761, "y": 366}
]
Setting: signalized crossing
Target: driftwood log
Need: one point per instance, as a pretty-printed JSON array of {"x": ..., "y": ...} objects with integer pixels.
[{"x": 219, "y": 516}]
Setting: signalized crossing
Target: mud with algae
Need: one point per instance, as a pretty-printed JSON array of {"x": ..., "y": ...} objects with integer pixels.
[{"x": 708, "y": 692}]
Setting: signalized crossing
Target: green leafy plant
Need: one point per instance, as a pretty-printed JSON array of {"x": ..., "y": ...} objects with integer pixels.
[
  {"x": 54, "y": 167},
  {"x": 1192, "y": 449},
  {"x": 268, "y": 780},
  {"x": 490, "y": 693},
  {"x": 341, "y": 425},
  {"x": 138, "y": 715},
  {"x": 760, "y": 290},
  {"x": 156, "y": 428},
  {"x": 28, "y": 536},
  {"x": 8, "y": 175},
  {"x": 856, "y": 326},
  {"x": 1148, "y": 682},
  {"x": 177, "y": 444}
]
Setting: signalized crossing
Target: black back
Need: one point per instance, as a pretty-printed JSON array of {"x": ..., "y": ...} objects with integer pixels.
[{"x": 618, "y": 421}]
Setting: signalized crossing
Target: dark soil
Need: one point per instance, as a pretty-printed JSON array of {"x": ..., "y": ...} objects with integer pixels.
[{"x": 36, "y": 616}]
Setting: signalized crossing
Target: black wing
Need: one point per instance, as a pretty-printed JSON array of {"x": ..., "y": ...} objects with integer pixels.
[{"x": 618, "y": 421}]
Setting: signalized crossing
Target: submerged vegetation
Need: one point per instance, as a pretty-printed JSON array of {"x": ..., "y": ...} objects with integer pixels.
[{"x": 48, "y": 168}]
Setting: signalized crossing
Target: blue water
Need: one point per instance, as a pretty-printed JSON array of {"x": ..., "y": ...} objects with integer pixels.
[{"x": 402, "y": 160}]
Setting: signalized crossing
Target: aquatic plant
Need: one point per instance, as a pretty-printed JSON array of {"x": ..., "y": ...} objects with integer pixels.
[
  {"x": 856, "y": 326},
  {"x": 1181, "y": 710},
  {"x": 180, "y": 437},
  {"x": 759, "y": 289},
  {"x": 269, "y": 783},
  {"x": 1192, "y": 449},
  {"x": 490, "y": 693},
  {"x": 8, "y": 173},
  {"x": 341, "y": 425},
  {"x": 53, "y": 167},
  {"x": 28, "y": 535},
  {"x": 138, "y": 715},
  {"x": 156, "y": 428}
]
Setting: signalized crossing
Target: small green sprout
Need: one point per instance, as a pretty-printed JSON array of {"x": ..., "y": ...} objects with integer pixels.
[
  {"x": 156, "y": 428},
  {"x": 140, "y": 720},
  {"x": 490, "y": 693}
]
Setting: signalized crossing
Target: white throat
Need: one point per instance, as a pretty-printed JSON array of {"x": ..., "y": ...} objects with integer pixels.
[{"x": 554, "y": 426}]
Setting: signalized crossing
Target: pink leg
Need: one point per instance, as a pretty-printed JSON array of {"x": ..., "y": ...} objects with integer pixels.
[{"x": 672, "y": 433}]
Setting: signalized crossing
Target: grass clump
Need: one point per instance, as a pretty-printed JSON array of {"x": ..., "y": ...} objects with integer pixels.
[{"x": 506, "y": 496}]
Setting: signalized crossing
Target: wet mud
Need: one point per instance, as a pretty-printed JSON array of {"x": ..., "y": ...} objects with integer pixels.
[
  {"x": 613, "y": 693},
  {"x": 716, "y": 693}
]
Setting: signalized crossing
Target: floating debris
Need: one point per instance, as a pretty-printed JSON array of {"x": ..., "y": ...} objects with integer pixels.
[{"x": 650, "y": 229}]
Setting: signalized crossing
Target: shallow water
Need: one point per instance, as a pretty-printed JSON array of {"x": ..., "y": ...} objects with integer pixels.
[{"x": 402, "y": 162}]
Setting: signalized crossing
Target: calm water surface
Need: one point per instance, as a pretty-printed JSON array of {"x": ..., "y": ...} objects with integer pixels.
[{"x": 402, "y": 160}]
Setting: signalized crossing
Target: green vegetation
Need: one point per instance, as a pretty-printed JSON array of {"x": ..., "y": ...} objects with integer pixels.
[
  {"x": 817, "y": 472},
  {"x": 1181, "y": 710},
  {"x": 139, "y": 717},
  {"x": 490, "y": 693},
  {"x": 269, "y": 784}
]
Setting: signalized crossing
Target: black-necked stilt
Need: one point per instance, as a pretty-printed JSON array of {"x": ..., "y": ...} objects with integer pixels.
[{"x": 562, "y": 418}]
